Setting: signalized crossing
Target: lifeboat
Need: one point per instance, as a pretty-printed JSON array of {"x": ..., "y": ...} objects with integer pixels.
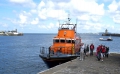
[{"x": 66, "y": 45}]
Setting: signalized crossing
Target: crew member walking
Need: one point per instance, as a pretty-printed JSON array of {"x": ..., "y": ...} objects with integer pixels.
[{"x": 82, "y": 52}]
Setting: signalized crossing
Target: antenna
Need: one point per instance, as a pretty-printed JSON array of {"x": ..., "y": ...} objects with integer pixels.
[
  {"x": 69, "y": 19},
  {"x": 59, "y": 23}
]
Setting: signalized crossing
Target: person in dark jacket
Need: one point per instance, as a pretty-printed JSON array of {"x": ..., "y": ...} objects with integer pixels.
[
  {"x": 107, "y": 52},
  {"x": 87, "y": 50}
]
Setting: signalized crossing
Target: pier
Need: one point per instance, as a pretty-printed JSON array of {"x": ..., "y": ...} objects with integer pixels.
[
  {"x": 110, "y": 34},
  {"x": 10, "y": 33},
  {"x": 90, "y": 65}
]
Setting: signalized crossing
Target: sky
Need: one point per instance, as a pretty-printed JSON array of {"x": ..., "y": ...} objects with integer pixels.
[{"x": 43, "y": 16}]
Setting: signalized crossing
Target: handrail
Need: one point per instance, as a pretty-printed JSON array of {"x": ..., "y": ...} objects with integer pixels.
[{"x": 44, "y": 51}]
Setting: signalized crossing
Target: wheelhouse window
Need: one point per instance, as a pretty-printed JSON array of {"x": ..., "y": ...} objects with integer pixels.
[
  {"x": 73, "y": 41},
  {"x": 68, "y": 41},
  {"x": 56, "y": 40},
  {"x": 62, "y": 41}
]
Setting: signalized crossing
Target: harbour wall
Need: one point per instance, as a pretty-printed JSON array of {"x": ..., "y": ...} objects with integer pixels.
[{"x": 110, "y": 34}]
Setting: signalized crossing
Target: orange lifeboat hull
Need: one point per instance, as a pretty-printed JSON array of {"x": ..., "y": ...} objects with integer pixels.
[{"x": 66, "y": 46}]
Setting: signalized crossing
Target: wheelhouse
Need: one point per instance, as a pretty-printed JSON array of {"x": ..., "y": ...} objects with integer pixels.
[{"x": 60, "y": 40}]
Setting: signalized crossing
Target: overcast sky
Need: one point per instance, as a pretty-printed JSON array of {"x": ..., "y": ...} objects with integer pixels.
[{"x": 41, "y": 16}]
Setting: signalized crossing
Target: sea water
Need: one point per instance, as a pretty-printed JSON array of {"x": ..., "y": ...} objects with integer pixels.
[{"x": 20, "y": 54}]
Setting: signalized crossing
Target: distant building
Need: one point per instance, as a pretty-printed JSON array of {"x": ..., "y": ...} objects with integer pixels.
[{"x": 106, "y": 31}]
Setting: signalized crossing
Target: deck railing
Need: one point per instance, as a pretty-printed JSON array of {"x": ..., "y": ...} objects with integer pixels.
[{"x": 44, "y": 51}]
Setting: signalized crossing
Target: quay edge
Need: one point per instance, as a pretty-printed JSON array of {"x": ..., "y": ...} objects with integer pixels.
[{"x": 90, "y": 65}]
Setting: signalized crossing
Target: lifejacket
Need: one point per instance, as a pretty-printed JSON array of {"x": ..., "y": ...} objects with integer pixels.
[
  {"x": 103, "y": 50},
  {"x": 91, "y": 47},
  {"x": 98, "y": 49}
]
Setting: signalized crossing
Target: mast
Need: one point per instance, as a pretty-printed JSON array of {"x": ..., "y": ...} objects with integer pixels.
[
  {"x": 59, "y": 24},
  {"x": 69, "y": 19}
]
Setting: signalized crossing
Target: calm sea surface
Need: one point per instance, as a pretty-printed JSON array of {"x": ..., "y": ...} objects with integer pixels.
[{"x": 20, "y": 54}]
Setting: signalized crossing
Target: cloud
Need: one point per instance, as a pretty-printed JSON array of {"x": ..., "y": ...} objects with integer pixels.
[
  {"x": 90, "y": 27},
  {"x": 47, "y": 12},
  {"x": 58, "y": 1},
  {"x": 4, "y": 24},
  {"x": 84, "y": 17},
  {"x": 107, "y": 0},
  {"x": 35, "y": 21},
  {"x": 83, "y": 9},
  {"x": 86, "y": 11},
  {"x": 23, "y": 18},
  {"x": 25, "y": 3},
  {"x": 116, "y": 18},
  {"x": 33, "y": 11},
  {"x": 113, "y": 6},
  {"x": 114, "y": 11},
  {"x": 87, "y": 6},
  {"x": 41, "y": 4},
  {"x": 51, "y": 25},
  {"x": 42, "y": 26}
]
